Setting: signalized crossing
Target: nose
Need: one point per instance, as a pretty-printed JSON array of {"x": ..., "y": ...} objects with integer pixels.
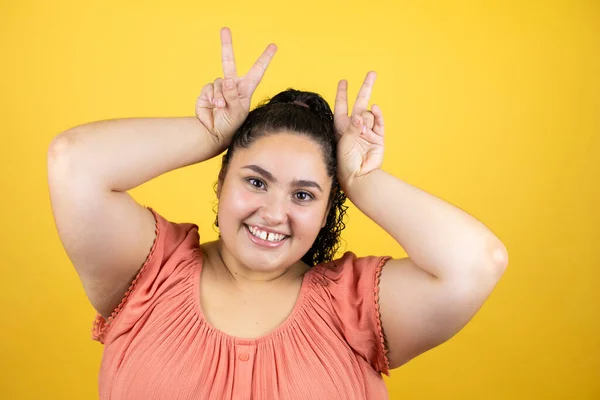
[{"x": 274, "y": 210}]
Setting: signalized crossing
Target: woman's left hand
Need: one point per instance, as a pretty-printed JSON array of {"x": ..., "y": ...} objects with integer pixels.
[{"x": 360, "y": 135}]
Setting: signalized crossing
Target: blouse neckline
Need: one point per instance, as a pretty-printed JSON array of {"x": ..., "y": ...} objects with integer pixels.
[{"x": 291, "y": 318}]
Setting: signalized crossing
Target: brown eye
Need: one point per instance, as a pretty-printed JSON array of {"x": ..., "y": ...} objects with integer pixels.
[
  {"x": 257, "y": 183},
  {"x": 303, "y": 196}
]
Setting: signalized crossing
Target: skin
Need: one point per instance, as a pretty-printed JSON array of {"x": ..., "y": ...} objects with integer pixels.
[
  {"x": 454, "y": 261},
  {"x": 250, "y": 196}
]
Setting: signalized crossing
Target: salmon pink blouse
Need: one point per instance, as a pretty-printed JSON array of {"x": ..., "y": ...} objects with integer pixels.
[{"x": 159, "y": 345}]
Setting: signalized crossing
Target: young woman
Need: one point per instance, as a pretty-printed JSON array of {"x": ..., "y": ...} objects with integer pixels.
[{"x": 264, "y": 312}]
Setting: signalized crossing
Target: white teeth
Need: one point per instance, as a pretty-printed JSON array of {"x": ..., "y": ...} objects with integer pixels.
[{"x": 271, "y": 237}]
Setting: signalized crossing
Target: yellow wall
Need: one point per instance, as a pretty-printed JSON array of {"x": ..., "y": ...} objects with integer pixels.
[{"x": 495, "y": 108}]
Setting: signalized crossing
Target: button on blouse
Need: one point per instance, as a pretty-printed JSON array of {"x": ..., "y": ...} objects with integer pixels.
[{"x": 158, "y": 344}]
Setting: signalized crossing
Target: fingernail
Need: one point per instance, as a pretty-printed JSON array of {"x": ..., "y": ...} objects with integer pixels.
[
  {"x": 364, "y": 129},
  {"x": 221, "y": 103},
  {"x": 229, "y": 83}
]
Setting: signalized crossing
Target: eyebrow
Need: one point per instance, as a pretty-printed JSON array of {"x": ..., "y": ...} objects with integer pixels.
[{"x": 269, "y": 176}]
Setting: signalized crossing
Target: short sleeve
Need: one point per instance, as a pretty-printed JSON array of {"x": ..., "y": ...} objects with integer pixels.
[
  {"x": 174, "y": 245},
  {"x": 353, "y": 286}
]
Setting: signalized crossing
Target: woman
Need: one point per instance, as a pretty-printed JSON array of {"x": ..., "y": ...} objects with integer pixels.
[{"x": 263, "y": 312}]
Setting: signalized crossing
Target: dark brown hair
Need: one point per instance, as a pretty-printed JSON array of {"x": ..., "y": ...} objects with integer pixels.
[{"x": 308, "y": 114}]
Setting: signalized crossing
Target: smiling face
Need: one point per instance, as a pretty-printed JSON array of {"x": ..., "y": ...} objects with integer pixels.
[{"x": 273, "y": 201}]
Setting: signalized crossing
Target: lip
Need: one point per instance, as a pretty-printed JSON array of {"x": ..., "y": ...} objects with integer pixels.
[
  {"x": 264, "y": 243},
  {"x": 267, "y": 230}
]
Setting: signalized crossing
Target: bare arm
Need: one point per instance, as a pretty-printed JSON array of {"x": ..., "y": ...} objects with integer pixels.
[
  {"x": 454, "y": 260},
  {"x": 105, "y": 232},
  {"x": 122, "y": 154},
  {"x": 440, "y": 238},
  {"x": 454, "y": 263}
]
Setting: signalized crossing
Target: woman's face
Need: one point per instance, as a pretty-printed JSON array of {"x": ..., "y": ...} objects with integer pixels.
[{"x": 273, "y": 201}]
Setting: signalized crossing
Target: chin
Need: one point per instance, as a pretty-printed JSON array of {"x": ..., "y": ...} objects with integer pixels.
[
  {"x": 258, "y": 259},
  {"x": 259, "y": 256}
]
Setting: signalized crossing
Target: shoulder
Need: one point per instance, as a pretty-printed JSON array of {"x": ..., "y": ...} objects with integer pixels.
[
  {"x": 174, "y": 237},
  {"x": 170, "y": 260},
  {"x": 349, "y": 287},
  {"x": 172, "y": 228},
  {"x": 350, "y": 267}
]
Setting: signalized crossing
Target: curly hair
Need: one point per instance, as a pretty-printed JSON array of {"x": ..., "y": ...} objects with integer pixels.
[{"x": 308, "y": 114}]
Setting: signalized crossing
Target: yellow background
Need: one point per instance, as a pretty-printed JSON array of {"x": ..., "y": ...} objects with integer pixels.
[{"x": 492, "y": 106}]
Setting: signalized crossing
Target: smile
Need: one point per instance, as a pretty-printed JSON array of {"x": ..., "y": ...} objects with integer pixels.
[{"x": 263, "y": 238}]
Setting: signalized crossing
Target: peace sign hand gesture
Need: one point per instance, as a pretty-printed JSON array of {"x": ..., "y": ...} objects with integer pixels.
[
  {"x": 224, "y": 104},
  {"x": 359, "y": 136}
]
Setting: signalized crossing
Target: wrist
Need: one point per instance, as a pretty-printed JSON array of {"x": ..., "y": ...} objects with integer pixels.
[
  {"x": 353, "y": 185},
  {"x": 211, "y": 143}
]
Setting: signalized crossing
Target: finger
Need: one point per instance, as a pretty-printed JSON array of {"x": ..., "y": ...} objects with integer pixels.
[
  {"x": 206, "y": 97},
  {"x": 364, "y": 94},
  {"x": 354, "y": 128},
  {"x": 341, "y": 99},
  {"x": 227, "y": 58},
  {"x": 378, "y": 125},
  {"x": 368, "y": 120},
  {"x": 230, "y": 92},
  {"x": 257, "y": 71},
  {"x": 219, "y": 99},
  {"x": 205, "y": 106}
]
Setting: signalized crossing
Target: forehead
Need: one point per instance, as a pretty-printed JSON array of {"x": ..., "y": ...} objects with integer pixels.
[{"x": 284, "y": 154}]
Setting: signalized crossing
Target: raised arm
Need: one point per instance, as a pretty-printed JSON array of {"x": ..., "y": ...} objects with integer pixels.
[
  {"x": 106, "y": 234},
  {"x": 454, "y": 260}
]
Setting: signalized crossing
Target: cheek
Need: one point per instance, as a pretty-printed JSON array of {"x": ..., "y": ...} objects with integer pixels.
[
  {"x": 308, "y": 220},
  {"x": 239, "y": 201}
]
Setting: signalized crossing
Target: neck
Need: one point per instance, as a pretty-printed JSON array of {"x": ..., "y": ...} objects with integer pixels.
[{"x": 242, "y": 276}]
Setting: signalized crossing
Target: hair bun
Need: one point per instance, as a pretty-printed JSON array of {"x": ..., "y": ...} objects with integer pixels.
[
  {"x": 313, "y": 101},
  {"x": 301, "y": 103}
]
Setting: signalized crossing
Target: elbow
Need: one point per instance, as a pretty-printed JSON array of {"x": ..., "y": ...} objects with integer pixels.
[
  {"x": 500, "y": 257},
  {"x": 486, "y": 273},
  {"x": 58, "y": 145},
  {"x": 497, "y": 254},
  {"x": 496, "y": 261},
  {"x": 56, "y": 158},
  {"x": 490, "y": 262}
]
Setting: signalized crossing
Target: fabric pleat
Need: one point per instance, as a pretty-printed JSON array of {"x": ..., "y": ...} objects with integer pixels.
[{"x": 158, "y": 344}]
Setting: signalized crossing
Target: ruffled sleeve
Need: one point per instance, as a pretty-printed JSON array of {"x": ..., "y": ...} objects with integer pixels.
[
  {"x": 353, "y": 287},
  {"x": 174, "y": 245}
]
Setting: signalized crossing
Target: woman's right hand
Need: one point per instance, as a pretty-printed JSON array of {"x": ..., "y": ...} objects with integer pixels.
[{"x": 224, "y": 104}]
